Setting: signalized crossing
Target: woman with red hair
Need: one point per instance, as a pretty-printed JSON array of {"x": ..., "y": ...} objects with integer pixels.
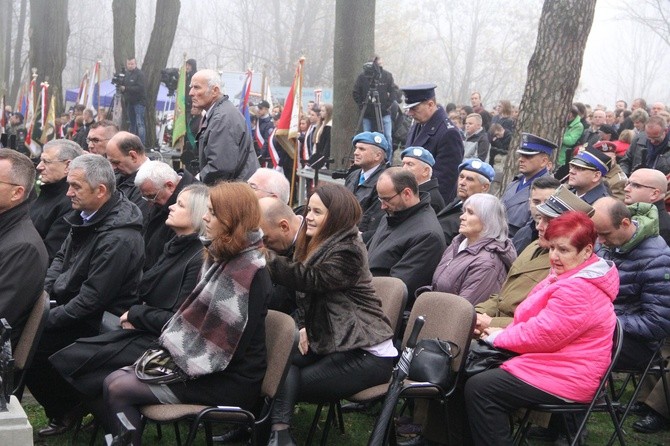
[{"x": 562, "y": 333}]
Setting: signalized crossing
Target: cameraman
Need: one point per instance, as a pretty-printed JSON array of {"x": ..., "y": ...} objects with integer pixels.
[
  {"x": 375, "y": 77},
  {"x": 134, "y": 93}
]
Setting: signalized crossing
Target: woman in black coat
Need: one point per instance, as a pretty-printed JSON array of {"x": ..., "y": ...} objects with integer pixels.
[{"x": 85, "y": 363}]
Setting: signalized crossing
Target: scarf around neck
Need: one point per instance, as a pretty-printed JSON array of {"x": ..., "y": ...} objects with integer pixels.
[{"x": 203, "y": 335}]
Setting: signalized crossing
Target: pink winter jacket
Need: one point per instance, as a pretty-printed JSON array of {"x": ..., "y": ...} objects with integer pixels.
[{"x": 563, "y": 331}]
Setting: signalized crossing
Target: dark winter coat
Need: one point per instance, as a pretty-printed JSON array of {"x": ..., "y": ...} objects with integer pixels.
[
  {"x": 443, "y": 140},
  {"x": 384, "y": 88},
  {"x": 336, "y": 302},
  {"x": 87, "y": 362},
  {"x": 48, "y": 213},
  {"x": 477, "y": 145},
  {"x": 408, "y": 245},
  {"x": 367, "y": 197},
  {"x": 135, "y": 89},
  {"x": 126, "y": 184},
  {"x": 642, "y": 154},
  {"x": 450, "y": 219},
  {"x": 432, "y": 188},
  {"x": 23, "y": 264},
  {"x": 99, "y": 266}
]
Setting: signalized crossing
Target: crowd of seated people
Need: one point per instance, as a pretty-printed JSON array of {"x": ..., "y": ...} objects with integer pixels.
[{"x": 126, "y": 281}]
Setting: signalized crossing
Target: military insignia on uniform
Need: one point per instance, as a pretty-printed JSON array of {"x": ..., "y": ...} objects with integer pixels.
[
  {"x": 476, "y": 164},
  {"x": 417, "y": 152},
  {"x": 378, "y": 139}
]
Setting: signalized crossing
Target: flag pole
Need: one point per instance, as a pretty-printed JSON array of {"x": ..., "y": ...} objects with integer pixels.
[{"x": 296, "y": 155}]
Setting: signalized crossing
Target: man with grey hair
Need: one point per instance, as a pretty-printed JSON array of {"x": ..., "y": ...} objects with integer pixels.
[
  {"x": 650, "y": 148},
  {"x": 159, "y": 185},
  {"x": 270, "y": 183},
  {"x": 97, "y": 269},
  {"x": 126, "y": 153},
  {"x": 24, "y": 259},
  {"x": 49, "y": 209},
  {"x": 225, "y": 147}
]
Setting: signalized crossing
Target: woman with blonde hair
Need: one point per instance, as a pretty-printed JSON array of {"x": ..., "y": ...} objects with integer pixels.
[{"x": 321, "y": 153}]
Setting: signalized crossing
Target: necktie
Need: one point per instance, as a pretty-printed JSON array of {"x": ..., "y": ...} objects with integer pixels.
[{"x": 361, "y": 180}]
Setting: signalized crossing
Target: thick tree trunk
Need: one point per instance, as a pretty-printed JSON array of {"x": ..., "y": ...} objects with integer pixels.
[
  {"x": 162, "y": 37},
  {"x": 5, "y": 42},
  {"x": 354, "y": 45},
  {"x": 553, "y": 73},
  {"x": 49, "y": 31},
  {"x": 18, "y": 49},
  {"x": 124, "y": 14}
]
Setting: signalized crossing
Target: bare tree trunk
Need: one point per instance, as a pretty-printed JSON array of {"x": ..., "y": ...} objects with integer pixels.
[
  {"x": 18, "y": 48},
  {"x": 158, "y": 51},
  {"x": 553, "y": 73},
  {"x": 5, "y": 42},
  {"x": 354, "y": 45},
  {"x": 124, "y": 14},
  {"x": 49, "y": 31}
]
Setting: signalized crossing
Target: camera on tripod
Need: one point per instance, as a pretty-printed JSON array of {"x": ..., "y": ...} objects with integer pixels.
[
  {"x": 373, "y": 72},
  {"x": 170, "y": 77},
  {"x": 119, "y": 79}
]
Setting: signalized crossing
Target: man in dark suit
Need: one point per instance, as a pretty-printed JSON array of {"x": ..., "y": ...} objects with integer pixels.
[{"x": 433, "y": 131}]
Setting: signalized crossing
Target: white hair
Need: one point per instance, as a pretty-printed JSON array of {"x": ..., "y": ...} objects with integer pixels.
[
  {"x": 491, "y": 212},
  {"x": 157, "y": 172}
]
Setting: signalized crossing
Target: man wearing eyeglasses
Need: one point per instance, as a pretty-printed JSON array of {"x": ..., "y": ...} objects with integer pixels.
[
  {"x": 433, "y": 130},
  {"x": 649, "y": 148},
  {"x": 126, "y": 153},
  {"x": 159, "y": 186},
  {"x": 101, "y": 132},
  {"x": 24, "y": 259},
  {"x": 650, "y": 186},
  {"x": 409, "y": 241},
  {"x": 48, "y": 211}
]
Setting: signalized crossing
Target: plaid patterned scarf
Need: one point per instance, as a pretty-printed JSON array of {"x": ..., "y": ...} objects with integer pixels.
[{"x": 203, "y": 335}]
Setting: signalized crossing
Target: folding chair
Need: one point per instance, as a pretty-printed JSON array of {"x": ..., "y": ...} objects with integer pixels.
[
  {"x": 601, "y": 402},
  {"x": 30, "y": 337},
  {"x": 280, "y": 338},
  {"x": 393, "y": 294}
]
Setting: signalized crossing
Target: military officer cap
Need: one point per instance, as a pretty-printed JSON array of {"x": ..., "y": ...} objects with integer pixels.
[
  {"x": 478, "y": 166},
  {"x": 419, "y": 153},
  {"x": 563, "y": 201},
  {"x": 534, "y": 145},
  {"x": 593, "y": 159},
  {"x": 416, "y": 94},
  {"x": 374, "y": 138}
]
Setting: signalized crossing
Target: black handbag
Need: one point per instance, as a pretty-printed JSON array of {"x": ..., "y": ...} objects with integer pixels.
[
  {"x": 483, "y": 356},
  {"x": 433, "y": 362}
]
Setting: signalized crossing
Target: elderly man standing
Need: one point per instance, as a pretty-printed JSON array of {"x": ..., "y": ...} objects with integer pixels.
[
  {"x": 225, "y": 146},
  {"x": 434, "y": 131},
  {"x": 97, "y": 269},
  {"x": 23, "y": 258},
  {"x": 126, "y": 153},
  {"x": 159, "y": 185},
  {"x": 420, "y": 162},
  {"x": 370, "y": 149},
  {"x": 49, "y": 209}
]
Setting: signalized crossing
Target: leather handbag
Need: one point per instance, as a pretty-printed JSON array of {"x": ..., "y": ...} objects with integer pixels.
[
  {"x": 483, "y": 356},
  {"x": 433, "y": 362},
  {"x": 156, "y": 366}
]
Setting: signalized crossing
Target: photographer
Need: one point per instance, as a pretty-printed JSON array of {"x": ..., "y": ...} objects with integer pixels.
[
  {"x": 134, "y": 93},
  {"x": 375, "y": 78}
]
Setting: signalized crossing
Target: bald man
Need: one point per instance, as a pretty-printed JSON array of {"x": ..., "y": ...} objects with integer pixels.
[
  {"x": 280, "y": 231},
  {"x": 650, "y": 186}
]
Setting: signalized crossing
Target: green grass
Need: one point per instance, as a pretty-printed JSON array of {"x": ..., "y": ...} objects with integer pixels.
[{"x": 357, "y": 430}]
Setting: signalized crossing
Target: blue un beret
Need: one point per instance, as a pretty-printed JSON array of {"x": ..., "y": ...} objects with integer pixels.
[
  {"x": 533, "y": 145},
  {"x": 478, "y": 166},
  {"x": 374, "y": 138},
  {"x": 419, "y": 153}
]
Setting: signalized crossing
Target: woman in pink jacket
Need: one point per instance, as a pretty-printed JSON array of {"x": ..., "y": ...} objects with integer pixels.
[{"x": 562, "y": 331}]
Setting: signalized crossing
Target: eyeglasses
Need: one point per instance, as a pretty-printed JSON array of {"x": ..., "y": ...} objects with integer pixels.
[
  {"x": 387, "y": 199},
  {"x": 152, "y": 199},
  {"x": 255, "y": 187},
  {"x": 96, "y": 140},
  {"x": 635, "y": 185}
]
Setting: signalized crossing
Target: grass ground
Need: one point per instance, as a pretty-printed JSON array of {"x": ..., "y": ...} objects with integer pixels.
[{"x": 357, "y": 430}]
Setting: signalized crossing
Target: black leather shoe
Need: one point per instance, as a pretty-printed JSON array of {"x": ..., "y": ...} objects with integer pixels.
[
  {"x": 639, "y": 408},
  {"x": 281, "y": 438},
  {"x": 355, "y": 407},
  {"x": 651, "y": 423},
  {"x": 237, "y": 435},
  {"x": 55, "y": 427}
]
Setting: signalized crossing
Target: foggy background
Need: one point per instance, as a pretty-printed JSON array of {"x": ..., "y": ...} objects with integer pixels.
[{"x": 481, "y": 45}]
